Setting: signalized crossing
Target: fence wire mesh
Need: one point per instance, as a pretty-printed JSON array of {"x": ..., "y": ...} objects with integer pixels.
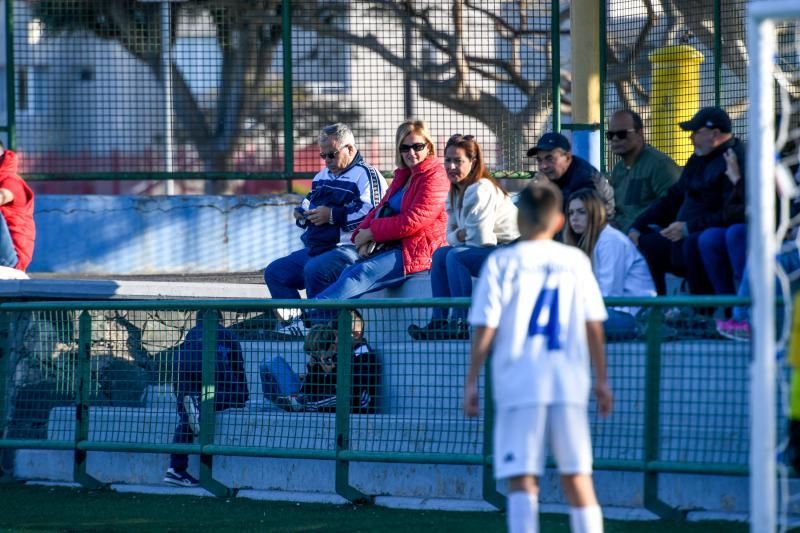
[
  {"x": 665, "y": 60},
  {"x": 92, "y": 90},
  {"x": 156, "y": 379}
]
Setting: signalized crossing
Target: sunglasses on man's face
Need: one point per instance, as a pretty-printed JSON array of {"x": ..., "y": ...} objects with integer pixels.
[
  {"x": 619, "y": 134},
  {"x": 417, "y": 147},
  {"x": 331, "y": 155}
]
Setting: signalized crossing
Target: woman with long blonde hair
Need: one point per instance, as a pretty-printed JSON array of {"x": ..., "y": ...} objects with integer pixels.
[
  {"x": 398, "y": 237},
  {"x": 620, "y": 269}
]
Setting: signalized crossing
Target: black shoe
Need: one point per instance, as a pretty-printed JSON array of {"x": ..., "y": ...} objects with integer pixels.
[
  {"x": 180, "y": 478},
  {"x": 440, "y": 330}
]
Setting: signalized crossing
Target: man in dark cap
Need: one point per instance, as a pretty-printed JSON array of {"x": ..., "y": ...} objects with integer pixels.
[
  {"x": 667, "y": 232},
  {"x": 569, "y": 172}
]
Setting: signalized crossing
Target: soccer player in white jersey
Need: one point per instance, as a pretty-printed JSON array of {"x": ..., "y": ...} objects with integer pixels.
[{"x": 538, "y": 310}]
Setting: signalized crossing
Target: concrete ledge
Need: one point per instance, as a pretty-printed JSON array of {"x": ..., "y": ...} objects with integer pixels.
[{"x": 65, "y": 289}]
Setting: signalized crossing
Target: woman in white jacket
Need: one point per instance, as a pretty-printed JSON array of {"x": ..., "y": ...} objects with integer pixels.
[
  {"x": 480, "y": 217},
  {"x": 620, "y": 269}
]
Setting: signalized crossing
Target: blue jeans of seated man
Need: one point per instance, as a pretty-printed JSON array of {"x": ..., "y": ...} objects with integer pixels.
[
  {"x": 372, "y": 274},
  {"x": 789, "y": 261},
  {"x": 724, "y": 254},
  {"x": 620, "y": 326},
  {"x": 298, "y": 270},
  {"x": 8, "y": 254},
  {"x": 278, "y": 378},
  {"x": 452, "y": 272}
]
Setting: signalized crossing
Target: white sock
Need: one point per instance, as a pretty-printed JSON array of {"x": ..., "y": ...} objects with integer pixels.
[
  {"x": 586, "y": 519},
  {"x": 523, "y": 512}
]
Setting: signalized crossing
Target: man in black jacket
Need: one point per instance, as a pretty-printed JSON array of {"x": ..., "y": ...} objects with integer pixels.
[
  {"x": 667, "y": 232},
  {"x": 569, "y": 172}
]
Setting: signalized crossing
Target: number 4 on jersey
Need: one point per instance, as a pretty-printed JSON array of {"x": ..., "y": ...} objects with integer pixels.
[{"x": 547, "y": 300}]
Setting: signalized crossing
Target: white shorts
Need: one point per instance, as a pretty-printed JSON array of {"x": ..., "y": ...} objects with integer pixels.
[{"x": 520, "y": 435}]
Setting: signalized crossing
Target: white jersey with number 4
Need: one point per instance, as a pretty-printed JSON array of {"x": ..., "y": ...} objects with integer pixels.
[{"x": 539, "y": 296}]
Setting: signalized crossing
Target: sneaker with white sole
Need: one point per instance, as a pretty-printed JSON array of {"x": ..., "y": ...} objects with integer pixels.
[
  {"x": 192, "y": 407},
  {"x": 180, "y": 478},
  {"x": 294, "y": 329}
]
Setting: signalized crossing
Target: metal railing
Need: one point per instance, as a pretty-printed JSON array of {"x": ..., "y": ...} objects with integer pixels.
[{"x": 90, "y": 376}]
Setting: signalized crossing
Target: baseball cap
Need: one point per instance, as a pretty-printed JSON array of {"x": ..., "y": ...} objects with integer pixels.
[
  {"x": 550, "y": 141},
  {"x": 709, "y": 117}
]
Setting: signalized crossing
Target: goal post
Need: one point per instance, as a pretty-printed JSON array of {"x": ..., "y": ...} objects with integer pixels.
[{"x": 762, "y": 16}]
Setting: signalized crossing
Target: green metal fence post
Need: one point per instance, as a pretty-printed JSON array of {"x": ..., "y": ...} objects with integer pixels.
[
  {"x": 288, "y": 86},
  {"x": 603, "y": 33},
  {"x": 717, "y": 52},
  {"x": 11, "y": 77},
  {"x": 652, "y": 410},
  {"x": 344, "y": 373},
  {"x": 555, "y": 61},
  {"x": 5, "y": 399},
  {"x": 490, "y": 492},
  {"x": 83, "y": 376},
  {"x": 207, "y": 409}
]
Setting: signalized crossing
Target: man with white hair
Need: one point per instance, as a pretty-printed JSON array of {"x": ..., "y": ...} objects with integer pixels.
[{"x": 341, "y": 196}]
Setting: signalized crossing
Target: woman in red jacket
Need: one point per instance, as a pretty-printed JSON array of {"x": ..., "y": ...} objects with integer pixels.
[{"x": 399, "y": 236}]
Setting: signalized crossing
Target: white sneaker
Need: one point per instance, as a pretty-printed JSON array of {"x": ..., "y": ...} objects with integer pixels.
[
  {"x": 293, "y": 329},
  {"x": 192, "y": 413}
]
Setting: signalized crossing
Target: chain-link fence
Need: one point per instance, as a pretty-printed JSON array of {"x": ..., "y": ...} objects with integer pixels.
[
  {"x": 665, "y": 60},
  {"x": 136, "y": 89},
  {"x": 247, "y": 98},
  {"x": 224, "y": 380}
]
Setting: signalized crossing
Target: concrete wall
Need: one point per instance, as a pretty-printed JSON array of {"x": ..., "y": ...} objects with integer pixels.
[{"x": 160, "y": 234}]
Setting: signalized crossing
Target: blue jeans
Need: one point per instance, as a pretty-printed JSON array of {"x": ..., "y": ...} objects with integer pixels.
[
  {"x": 298, "y": 270},
  {"x": 452, "y": 272},
  {"x": 8, "y": 254},
  {"x": 789, "y": 261},
  {"x": 724, "y": 254},
  {"x": 620, "y": 326},
  {"x": 368, "y": 275}
]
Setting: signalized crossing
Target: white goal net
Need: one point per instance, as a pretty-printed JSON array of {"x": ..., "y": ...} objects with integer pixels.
[{"x": 773, "y": 44}]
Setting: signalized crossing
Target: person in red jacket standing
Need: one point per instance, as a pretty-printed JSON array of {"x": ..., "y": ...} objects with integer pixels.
[
  {"x": 17, "y": 230},
  {"x": 398, "y": 237}
]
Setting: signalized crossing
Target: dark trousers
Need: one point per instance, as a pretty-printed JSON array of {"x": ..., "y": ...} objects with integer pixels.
[{"x": 681, "y": 258}]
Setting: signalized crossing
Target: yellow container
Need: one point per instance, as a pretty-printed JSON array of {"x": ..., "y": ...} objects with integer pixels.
[{"x": 674, "y": 98}]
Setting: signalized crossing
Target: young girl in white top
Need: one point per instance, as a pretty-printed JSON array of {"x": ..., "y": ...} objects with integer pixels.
[
  {"x": 620, "y": 269},
  {"x": 480, "y": 216}
]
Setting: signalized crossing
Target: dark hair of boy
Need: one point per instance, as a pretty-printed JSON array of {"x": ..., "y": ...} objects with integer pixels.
[{"x": 538, "y": 203}]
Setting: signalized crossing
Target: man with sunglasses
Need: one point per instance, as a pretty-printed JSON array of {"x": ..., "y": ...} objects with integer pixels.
[
  {"x": 642, "y": 175},
  {"x": 341, "y": 196},
  {"x": 567, "y": 171},
  {"x": 668, "y": 232}
]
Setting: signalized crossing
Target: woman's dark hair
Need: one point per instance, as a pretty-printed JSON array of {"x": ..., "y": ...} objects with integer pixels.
[
  {"x": 595, "y": 220},
  {"x": 478, "y": 172}
]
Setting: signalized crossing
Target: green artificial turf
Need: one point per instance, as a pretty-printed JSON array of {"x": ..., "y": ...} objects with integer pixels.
[{"x": 40, "y": 508}]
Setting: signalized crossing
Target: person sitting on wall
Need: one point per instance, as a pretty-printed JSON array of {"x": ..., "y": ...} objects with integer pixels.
[
  {"x": 341, "y": 196},
  {"x": 316, "y": 391},
  {"x": 230, "y": 391},
  {"x": 620, "y": 269},
  {"x": 17, "y": 228},
  {"x": 668, "y": 232},
  {"x": 567, "y": 171},
  {"x": 642, "y": 175},
  {"x": 480, "y": 217},
  {"x": 399, "y": 236}
]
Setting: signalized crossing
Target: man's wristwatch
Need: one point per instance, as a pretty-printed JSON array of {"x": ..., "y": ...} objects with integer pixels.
[{"x": 330, "y": 218}]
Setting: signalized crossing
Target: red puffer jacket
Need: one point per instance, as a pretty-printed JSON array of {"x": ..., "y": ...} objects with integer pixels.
[{"x": 422, "y": 221}]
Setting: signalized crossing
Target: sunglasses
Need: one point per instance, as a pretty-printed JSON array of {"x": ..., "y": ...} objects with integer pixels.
[
  {"x": 331, "y": 155},
  {"x": 417, "y": 147},
  {"x": 619, "y": 134}
]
